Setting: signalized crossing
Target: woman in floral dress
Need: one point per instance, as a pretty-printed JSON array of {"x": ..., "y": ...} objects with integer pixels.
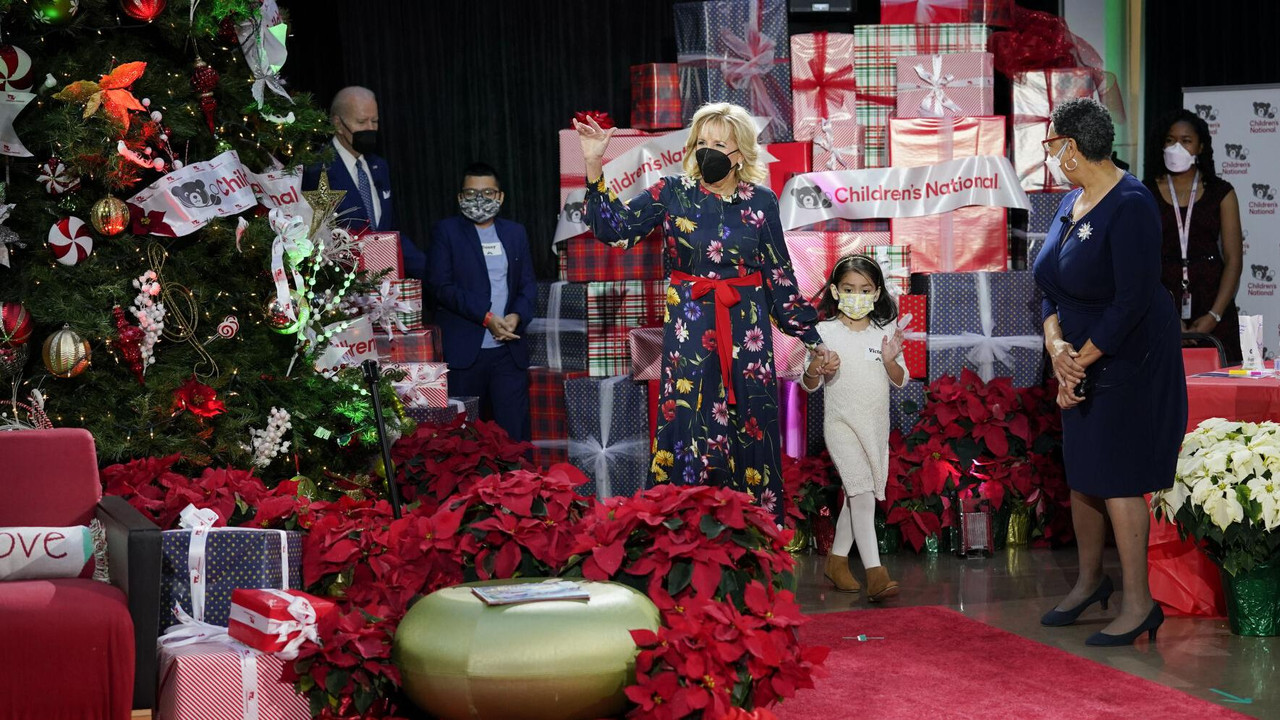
[{"x": 730, "y": 273}]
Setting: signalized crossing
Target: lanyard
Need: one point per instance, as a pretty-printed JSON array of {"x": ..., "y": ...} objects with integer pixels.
[{"x": 1184, "y": 226}]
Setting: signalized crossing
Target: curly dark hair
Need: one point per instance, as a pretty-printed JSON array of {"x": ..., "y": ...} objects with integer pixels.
[
  {"x": 1086, "y": 121},
  {"x": 885, "y": 309},
  {"x": 1154, "y": 165}
]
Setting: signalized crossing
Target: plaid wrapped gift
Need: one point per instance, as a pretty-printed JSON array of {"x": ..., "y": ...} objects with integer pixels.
[
  {"x": 468, "y": 405},
  {"x": 233, "y": 558},
  {"x": 274, "y": 620},
  {"x": 608, "y": 437},
  {"x": 990, "y": 12},
  {"x": 905, "y": 404},
  {"x": 425, "y": 385},
  {"x": 655, "y": 96},
  {"x": 838, "y": 145},
  {"x": 955, "y": 84},
  {"x": 1035, "y": 95},
  {"x": 876, "y": 52},
  {"x": 573, "y": 169},
  {"x": 987, "y": 322},
  {"x": 822, "y": 84},
  {"x": 549, "y": 429},
  {"x": 913, "y": 319},
  {"x": 378, "y": 251},
  {"x": 420, "y": 346},
  {"x": 558, "y": 333},
  {"x": 813, "y": 254},
  {"x": 968, "y": 239},
  {"x": 224, "y": 681},
  {"x": 840, "y": 225},
  {"x": 646, "y": 353},
  {"x": 613, "y": 309},
  {"x": 411, "y": 295},
  {"x": 895, "y": 264},
  {"x": 588, "y": 260},
  {"x": 736, "y": 51},
  {"x": 793, "y": 159}
]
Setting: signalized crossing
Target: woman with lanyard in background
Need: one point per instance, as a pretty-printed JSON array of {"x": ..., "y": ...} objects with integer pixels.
[{"x": 1202, "y": 248}]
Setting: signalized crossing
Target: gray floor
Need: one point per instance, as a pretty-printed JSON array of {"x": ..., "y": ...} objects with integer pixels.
[{"x": 1011, "y": 591}]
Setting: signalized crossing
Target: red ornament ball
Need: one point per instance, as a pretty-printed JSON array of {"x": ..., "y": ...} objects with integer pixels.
[
  {"x": 227, "y": 34},
  {"x": 15, "y": 325},
  {"x": 144, "y": 10},
  {"x": 204, "y": 79}
]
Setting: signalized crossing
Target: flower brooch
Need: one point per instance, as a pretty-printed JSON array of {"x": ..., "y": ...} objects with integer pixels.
[{"x": 1084, "y": 231}]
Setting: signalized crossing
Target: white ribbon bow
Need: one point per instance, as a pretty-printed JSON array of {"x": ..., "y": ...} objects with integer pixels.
[
  {"x": 890, "y": 272},
  {"x": 553, "y": 325},
  {"x": 291, "y": 237},
  {"x": 985, "y": 350},
  {"x": 190, "y": 631},
  {"x": 936, "y": 102},
  {"x": 837, "y": 157},
  {"x": 600, "y": 451},
  {"x": 385, "y": 308}
]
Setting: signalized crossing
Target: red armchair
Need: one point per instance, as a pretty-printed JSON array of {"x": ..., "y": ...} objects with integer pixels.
[{"x": 75, "y": 648}]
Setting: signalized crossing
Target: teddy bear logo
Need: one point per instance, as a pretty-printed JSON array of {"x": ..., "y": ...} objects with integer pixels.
[
  {"x": 1263, "y": 191},
  {"x": 1236, "y": 151},
  {"x": 1264, "y": 110},
  {"x": 573, "y": 211},
  {"x": 1263, "y": 273},
  {"x": 195, "y": 195},
  {"x": 810, "y": 197},
  {"x": 1207, "y": 112}
]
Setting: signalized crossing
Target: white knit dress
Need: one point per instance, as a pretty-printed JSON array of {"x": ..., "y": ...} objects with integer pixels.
[{"x": 856, "y": 401}]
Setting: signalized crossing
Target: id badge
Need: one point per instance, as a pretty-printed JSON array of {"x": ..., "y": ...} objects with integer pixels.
[{"x": 1186, "y": 306}]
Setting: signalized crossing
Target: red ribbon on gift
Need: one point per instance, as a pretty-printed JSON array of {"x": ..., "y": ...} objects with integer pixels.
[
  {"x": 726, "y": 296},
  {"x": 822, "y": 82}
]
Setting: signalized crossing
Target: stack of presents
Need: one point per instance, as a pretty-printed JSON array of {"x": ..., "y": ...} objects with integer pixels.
[{"x": 918, "y": 89}]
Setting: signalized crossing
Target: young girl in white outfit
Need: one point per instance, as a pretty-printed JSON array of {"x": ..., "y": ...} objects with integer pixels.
[{"x": 867, "y": 345}]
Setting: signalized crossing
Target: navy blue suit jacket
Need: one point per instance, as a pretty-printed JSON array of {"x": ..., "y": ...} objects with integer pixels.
[
  {"x": 352, "y": 213},
  {"x": 459, "y": 281}
]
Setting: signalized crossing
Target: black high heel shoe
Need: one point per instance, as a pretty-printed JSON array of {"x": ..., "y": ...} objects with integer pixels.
[
  {"x": 1154, "y": 620},
  {"x": 1058, "y": 618}
]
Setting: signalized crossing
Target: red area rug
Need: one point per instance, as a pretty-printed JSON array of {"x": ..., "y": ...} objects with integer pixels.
[{"x": 936, "y": 663}]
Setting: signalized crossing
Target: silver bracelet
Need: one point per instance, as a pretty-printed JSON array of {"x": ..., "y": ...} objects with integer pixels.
[{"x": 1216, "y": 317}]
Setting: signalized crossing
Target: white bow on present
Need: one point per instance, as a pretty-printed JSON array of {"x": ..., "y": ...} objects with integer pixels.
[
  {"x": 384, "y": 308},
  {"x": 936, "y": 102},
  {"x": 291, "y": 633},
  {"x": 837, "y": 157},
  {"x": 984, "y": 349},
  {"x": 418, "y": 375},
  {"x": 601, "y": 452}
]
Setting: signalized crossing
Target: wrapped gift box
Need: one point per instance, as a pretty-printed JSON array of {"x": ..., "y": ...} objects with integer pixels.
[
  {"x": 468, "y": 405},
  {"x": 411, "y": 295},
  {"x": 989, "y": 12},
  {"x": 815, "y": 434},
  {"x": 586, "y": 259},
  {"x": 549, "y": 429},
  {"x": 793, "y": 158},
  {"x": 613, "y": 310},
  {"x": 845, "y": 225},
  {"x": 1001, "y": 310},
  {"x": 736, "y": 51},
  {"x": 837, "y": 145},
  {"x": 813, "y": 254},
  {"x": 419, "y": 346},
  {"x": 967, "y": 239},
  {"x": 1035, "y": 95},
  {"x": 913, "y": 319},
  {"x": 1043, "y": 213},
  {"x": 904, "y": 406},
  {"x": 951, "y": 85},
  {"x": 573, "y": 172},
  {"x": 379, "y": 251},
  {"x": 822, "y": 83},
  {"x": 646, "y": 353},
  {"x": 876, "y": 52},
  {"x": 425, "y": 385},
  {"x": 608, "y": 437},
  {"x": 275, "y": 621},
  {"x": 211, "y": 680},
  {"x": 233, "y": 558},
  {"x": 655, "y": 96},
  {"x": 558, "y": 333},
  {"x": 895, "y": 264}
]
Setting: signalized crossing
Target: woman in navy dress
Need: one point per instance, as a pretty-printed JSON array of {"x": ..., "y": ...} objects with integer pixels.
[
  {"x": 730, "y": 273},
  {"x": 1115, "y": 339}
]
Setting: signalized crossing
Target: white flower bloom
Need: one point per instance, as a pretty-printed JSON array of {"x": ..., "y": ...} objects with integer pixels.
[{"x": 1223, "y": 508}]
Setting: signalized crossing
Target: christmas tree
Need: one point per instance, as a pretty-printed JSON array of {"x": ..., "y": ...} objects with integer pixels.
[{"x": 162, "y": 284}]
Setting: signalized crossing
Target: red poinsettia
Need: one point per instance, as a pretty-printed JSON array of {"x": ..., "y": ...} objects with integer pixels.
[
  {"x": 142, "y": 222},
  {"x": 151, "y": 485},
  {"x": 198, "y": 398}
]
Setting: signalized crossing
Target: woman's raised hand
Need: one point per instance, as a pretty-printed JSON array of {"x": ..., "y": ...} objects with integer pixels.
[{"x": 594, "y": 139}]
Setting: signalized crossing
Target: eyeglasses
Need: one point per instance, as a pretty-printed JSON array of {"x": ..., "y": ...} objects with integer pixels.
[
  {"x": 1055, "y": 138},
  {"x": 488, "y": 193}
]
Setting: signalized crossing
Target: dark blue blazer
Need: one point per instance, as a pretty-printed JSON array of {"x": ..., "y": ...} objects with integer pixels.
[
  {"x": 459, "y": 281},
  {"x": 351, "y": 209}
]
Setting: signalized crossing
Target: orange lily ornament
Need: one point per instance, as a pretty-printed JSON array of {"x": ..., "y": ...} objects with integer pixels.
[{"x": 111, "y": 93}]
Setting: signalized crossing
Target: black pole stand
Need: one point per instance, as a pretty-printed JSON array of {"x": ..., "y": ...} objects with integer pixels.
[{"x": 371, "y": 375}]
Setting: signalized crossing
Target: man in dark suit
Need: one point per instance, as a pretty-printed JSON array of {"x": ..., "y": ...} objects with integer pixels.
[
  {"x": 365, "y": 176},
  {"x": 481, "y": 274}
]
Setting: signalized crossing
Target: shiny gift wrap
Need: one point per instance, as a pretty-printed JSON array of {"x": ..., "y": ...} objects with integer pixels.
[
  {"x": 554, "y": 660},
  {"x": 1035, "y": 95},
  {"x": 955, "y": 84},
  {"x": 608, "y": 436},
  {"x": 822, "y": 83},
  {"x": 1253, "y": 600},
  {"x": 558, "y": 333}
]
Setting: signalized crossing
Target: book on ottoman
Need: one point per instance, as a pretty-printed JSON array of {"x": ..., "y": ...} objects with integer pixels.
[
  {"x": 609, "y": 434},
  {"x": 655, "y": 96},
  {"x": 986, "y": 322},
  {"x": 813, "y": 254},
  {"x": 548, "y": 422},
  {"x": 613, "y": 310},
  {"x": 904, "y": 406},
  {"x": 951, "y": 85},
  {"x": 216, "y": 680},
  {"x": 276, "y": 621},
  {"x": 822, "y": 83},
  {"x": 736, "y": 51},
  {"x": 1035, "y": 95},
  {"x": 558, "y": 333},
  {"x": 231, "y": 558}
]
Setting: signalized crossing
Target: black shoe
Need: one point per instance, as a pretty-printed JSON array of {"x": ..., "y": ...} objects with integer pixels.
[
  {"x": 1154, "y": 620},
  {"x": 1058, "y": 618}
]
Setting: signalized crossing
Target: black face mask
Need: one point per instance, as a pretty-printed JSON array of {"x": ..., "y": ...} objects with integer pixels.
[
  {"x": 713, "y": 164},
  {"x": 362, "y": 141}
]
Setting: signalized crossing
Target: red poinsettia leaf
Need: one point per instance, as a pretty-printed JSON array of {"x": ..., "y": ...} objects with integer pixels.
[{"x": 123, "y": 76}]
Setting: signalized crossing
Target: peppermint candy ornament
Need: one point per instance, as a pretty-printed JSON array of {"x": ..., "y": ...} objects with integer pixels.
[
  {"x": 56, "y": 177},
  {"x": 15, "y": 69},
  {"x": 70, "y": 240}
]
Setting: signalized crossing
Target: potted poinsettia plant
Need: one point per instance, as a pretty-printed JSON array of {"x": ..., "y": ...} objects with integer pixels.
[
  {"x": 812, "y": 489},
  {"x": 1226, "y": 495}
]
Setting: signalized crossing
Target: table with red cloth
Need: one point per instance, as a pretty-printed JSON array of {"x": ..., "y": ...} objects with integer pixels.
[{"x": 1183, "y": 579}]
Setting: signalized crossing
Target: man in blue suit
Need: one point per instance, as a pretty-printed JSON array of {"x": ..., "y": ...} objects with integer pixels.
[
  {"x": 365, "y": 177},
  {"x": 481, "y": 274}
]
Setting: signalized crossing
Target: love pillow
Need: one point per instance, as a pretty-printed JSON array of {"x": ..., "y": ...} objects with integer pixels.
[{"x": 30, "y": 553}]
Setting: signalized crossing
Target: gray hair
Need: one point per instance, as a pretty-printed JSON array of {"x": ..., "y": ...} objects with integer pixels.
[
  {"x": 344, "y": 97},
  {"x": 1086, "y": 121}
]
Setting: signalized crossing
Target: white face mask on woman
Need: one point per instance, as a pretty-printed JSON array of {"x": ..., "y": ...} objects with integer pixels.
[
  {"x": 1178, "y": 159},
  {"x": 1054, "y": 163}
]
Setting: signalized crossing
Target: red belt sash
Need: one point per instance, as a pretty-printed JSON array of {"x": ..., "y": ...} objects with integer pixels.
[{"x": 726, "y": 296}]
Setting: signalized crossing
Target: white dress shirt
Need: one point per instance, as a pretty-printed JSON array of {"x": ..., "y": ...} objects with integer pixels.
[{"x": 350, "y": 161}]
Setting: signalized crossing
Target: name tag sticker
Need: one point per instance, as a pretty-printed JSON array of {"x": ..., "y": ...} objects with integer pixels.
[
  {"x": 491, "y": 249},
  {"x": 873, "y": 354}
]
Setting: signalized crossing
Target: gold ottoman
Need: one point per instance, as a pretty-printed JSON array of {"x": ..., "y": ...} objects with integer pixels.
[{"x": 550, "y": 660}]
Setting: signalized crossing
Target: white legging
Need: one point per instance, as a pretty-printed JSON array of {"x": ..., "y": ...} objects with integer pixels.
[{"x": 858, "y": 521}]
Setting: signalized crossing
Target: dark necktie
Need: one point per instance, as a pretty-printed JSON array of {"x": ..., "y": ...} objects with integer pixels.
[{"x": 366, "y": 192}]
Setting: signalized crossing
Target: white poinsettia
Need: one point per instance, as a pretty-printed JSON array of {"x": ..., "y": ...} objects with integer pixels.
[
  {"x": 1223, "y": 507},
  {"x": 1266, "y": 492}
]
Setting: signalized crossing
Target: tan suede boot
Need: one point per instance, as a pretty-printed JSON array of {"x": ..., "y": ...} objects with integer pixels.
[
  {"x": 838, "y": 573},
  {"x": 879, "y": 585}
]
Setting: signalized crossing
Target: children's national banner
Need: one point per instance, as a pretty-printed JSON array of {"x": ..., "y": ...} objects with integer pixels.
[{"x": 1244, "y": 121}]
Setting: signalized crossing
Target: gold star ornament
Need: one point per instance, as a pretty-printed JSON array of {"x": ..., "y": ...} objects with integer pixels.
[{"x": 323, "y": 200}]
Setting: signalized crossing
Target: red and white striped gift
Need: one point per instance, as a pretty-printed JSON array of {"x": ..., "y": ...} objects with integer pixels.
[
  {"x": 425, "y": 384},
  {"x": 378, "y": 251},
  {"x": 946, "y": 85},
  {"x": 646, "y": 353},
  {"x": 837, "y": 145},
  {"x": 225, "y": 681},
  {"x": 276, "y": 621}
]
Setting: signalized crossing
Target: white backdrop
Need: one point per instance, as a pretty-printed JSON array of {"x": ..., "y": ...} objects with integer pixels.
[{"x": 1244, "y": 121}]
